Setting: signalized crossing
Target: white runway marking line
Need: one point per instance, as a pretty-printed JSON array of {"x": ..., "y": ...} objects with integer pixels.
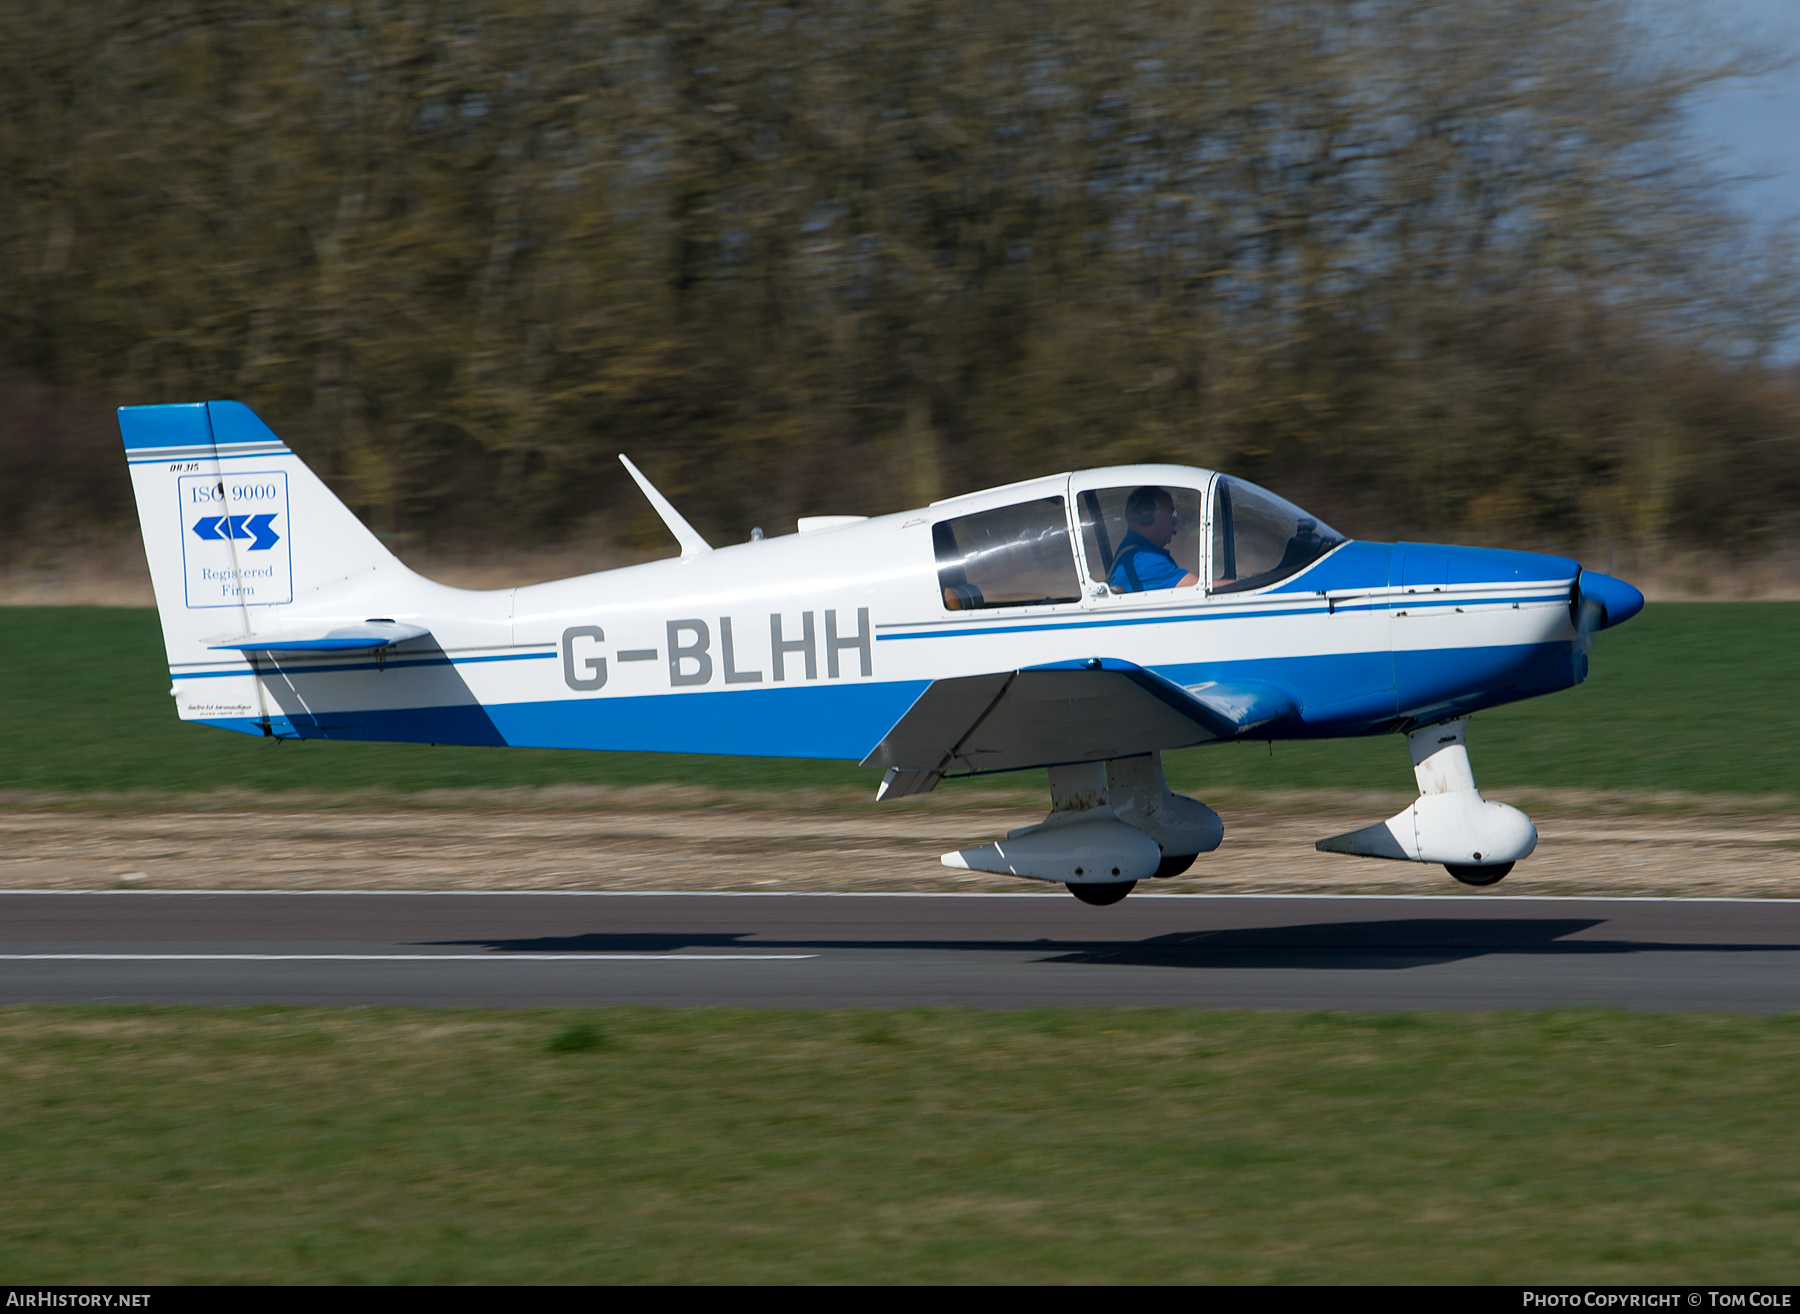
[{"x": 405, "y": 958}]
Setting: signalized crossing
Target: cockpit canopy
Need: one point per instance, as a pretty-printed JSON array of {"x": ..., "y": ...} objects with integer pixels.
[{"x": 1133, "y": 538}]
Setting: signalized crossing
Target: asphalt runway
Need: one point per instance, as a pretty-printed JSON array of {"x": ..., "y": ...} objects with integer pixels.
[{"x": 836, "y": 951}]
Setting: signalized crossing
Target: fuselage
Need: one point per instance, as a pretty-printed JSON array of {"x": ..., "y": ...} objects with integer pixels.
[{"x": 814, "y": 644}]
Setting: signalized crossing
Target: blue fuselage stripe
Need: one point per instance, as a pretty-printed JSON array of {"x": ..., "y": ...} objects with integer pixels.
[{"x": 1397, "y": 602}]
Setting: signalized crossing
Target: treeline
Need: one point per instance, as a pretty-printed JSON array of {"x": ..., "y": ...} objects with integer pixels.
[{"x": 1426, "y": 266}]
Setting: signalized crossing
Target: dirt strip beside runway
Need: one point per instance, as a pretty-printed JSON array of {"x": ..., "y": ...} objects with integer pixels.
[{"x": 639, "y": 847}]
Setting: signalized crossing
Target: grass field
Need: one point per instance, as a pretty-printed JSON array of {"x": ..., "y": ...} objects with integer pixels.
[
  {"x": 1688, "y": 696},
  {"x": 640, "y": 1145}
]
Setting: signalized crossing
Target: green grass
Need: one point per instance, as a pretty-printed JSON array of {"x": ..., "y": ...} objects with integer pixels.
[
  {"x": 1696, "y": 696},
  {"x": 637, "y": 1145}
]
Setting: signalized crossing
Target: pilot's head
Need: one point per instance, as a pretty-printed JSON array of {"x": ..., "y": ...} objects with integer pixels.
[{"x": 1151, "y": 514}]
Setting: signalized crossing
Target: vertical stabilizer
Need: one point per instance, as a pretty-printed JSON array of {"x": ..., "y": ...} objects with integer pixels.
[{"x": 239, "y": 536}]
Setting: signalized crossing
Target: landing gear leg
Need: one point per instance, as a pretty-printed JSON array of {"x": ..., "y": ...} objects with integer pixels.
[
  {"x": 1476, "y": 839},
  {"x": 1183, "y": 828},
  {"x": 1111, "y": 824}
]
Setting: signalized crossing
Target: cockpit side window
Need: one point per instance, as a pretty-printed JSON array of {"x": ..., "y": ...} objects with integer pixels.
[
  {"x": 1259, "y": 539},
  {"x": 1012, "y": 556}
]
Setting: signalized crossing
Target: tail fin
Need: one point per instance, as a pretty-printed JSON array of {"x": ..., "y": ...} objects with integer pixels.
[{"x": 244, "y": 540}]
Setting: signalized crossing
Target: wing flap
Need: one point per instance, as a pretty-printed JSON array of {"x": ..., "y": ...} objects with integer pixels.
[{"x": 937, "y": 721}]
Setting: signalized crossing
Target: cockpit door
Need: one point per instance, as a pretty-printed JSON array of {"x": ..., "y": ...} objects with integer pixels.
[{"x": 1140, "y": 543}]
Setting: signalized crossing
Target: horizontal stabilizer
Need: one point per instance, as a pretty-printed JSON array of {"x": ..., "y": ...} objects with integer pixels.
[
  {"x": 363, "y": 636},
  {"x": 1079, "y": 711}
]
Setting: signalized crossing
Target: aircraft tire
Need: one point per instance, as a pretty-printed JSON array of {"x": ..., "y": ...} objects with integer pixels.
[
  {"x": 1101, "y": 895},
  {"x": 1173, "y": 864},
  {"x": 1471, "y": 874}
]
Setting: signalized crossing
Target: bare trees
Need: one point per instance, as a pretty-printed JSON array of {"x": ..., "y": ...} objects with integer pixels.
[{"x": 1433, "y": 266}]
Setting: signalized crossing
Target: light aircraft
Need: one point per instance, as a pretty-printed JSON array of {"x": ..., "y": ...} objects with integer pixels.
[{"x": 1082, "y": 622}]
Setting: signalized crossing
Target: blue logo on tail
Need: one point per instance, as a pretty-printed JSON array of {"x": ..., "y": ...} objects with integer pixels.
[{"x": 216, "y": 529}]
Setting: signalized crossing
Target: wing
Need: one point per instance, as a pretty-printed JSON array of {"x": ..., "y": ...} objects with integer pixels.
[{"x": 1082, "y": 711}]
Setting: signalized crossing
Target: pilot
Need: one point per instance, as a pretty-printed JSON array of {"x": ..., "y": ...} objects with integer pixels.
[{"x": 1143, "y": 561}]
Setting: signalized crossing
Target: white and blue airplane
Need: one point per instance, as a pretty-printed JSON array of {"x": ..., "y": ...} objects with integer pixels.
[{"x": 1082, "y": 622}]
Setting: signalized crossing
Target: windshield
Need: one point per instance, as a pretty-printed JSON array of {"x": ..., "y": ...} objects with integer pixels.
[{"x": 1259, "y": 538}]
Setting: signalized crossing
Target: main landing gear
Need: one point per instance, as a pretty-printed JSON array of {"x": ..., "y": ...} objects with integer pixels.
[
  {"x": 1476, "y": 839},
  {"x": 1111, "y": 825}
]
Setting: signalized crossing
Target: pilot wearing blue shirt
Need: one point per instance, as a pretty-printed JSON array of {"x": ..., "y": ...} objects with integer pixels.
[{"x": 1143, "y": 561}]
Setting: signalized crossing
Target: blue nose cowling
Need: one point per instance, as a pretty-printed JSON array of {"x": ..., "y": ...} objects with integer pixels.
[{"x": 1618, "y": 600}]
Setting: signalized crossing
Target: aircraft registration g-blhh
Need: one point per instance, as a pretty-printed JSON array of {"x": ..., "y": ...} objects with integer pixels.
[{"x": 1081, "y": 622}]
